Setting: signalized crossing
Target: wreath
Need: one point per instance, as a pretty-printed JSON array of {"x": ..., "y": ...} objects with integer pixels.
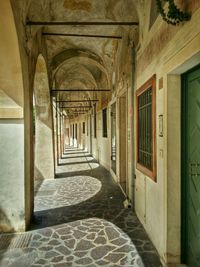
[{"x": 174, "y": 15}]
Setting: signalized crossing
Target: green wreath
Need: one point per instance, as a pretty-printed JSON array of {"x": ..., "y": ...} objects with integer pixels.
[{"x": 174, "y": 15}]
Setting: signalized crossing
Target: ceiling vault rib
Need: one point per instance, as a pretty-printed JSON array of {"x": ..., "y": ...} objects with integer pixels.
[
  {"x": 80, "y": 23},
  {"x": 81, "y": 35}
]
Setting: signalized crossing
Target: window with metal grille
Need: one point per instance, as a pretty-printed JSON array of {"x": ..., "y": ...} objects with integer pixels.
[
  {"x": 83, "y": 127},
  {"x": 87, "y": 126},
  {"x": 104, "y": 122},
  {"x": 146, "y": 158},
  {"x": 76, "y": 130}
]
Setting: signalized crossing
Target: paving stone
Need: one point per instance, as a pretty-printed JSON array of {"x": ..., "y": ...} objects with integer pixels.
[
  {"x": 84, "y": 261},
  {"x": 55, "y": 235},
  {"x": 67, "y": 264},
  {"x": 41, "y": 262},
  {"x": 84, "y": 245},
  {"x": 63, "y": 231},
  {"x": 80, "y": 254},
  {"x": 70, "y": 258},
  {"x": 111, "y": 233},
  {"x": 125, "y": 249},
  {"x": 46, "y": 232},
  {"x": 119, "y": 241},
  {"x": 45, "y": 248},
  {"x": 100, "y": 252},
  {"x": 102, "y": 232},
  {"x": 114, "y": 257},
  {"x": 102, "y": 263},
  {"x": 63, "y": 250},
  {"x": 91, "y": 236},
  {"x": 51, "y": 254},
  {"x": 36, "y": 237},
  {"x": 64, "y": 237},
  {"x": 70, "y": 243},
  {"x": 100, "y": 240},
  {"x": 57, "y": 259},
  {"x": 79, "y": 234},
  {"x": 53, "y": 242},
  {"x": 83, "y": 228}
]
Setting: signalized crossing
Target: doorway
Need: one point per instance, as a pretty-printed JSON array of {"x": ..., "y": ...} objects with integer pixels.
[
  {"x": 90, "y": 134},
  {"x": 113, "y": 137},
  {"x": 191, "y": 168},
  {"x": 123, "y": 141}
]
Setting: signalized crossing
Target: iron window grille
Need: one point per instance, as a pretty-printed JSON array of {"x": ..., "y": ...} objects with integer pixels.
[
  {"x": 146, "y": 128},
  {"x": 104, "y": 122},
  {"x": 76, "y": 131}
]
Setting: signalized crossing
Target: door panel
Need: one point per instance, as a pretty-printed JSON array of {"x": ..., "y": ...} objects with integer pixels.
[
  {"x": 192, "y": 192},
  {"x": 123, "y": 142},
  {"x": 113, "y": 137}
]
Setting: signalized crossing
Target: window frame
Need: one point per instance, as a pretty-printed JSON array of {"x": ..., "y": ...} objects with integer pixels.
[
  {"x": 104, "y": 123},
  {"x": 150, "y": 83},
  {"x": 95, "y": 121},
  {"x": 83, "y": 128}
]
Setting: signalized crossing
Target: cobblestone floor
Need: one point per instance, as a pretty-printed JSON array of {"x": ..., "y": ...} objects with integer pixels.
[{"x": 80, "y": 220}]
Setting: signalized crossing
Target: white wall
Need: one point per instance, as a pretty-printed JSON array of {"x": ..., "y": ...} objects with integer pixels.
[{"x": 12, "y": 198}]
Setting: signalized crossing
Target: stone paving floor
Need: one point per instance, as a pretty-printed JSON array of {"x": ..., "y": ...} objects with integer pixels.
[{"x": 80, "y": 220}]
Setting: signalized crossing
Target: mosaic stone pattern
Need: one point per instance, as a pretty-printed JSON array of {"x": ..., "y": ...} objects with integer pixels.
[
  {"x": 98, "y": 231},
  {"x": 91, "y": 242},
  {"x": 65, "y": 192}
]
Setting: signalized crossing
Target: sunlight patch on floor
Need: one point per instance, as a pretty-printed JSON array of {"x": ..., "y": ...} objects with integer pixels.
[{"x": 65, "y": 192}]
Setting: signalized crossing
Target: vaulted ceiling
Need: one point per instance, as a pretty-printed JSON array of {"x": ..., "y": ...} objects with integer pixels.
[{"x": 81, "y": 56}]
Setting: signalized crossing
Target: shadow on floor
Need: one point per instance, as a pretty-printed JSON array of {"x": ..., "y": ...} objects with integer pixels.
[{"x": 106, "y": 204}]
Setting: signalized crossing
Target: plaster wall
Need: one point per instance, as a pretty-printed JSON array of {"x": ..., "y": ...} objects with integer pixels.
[
  {"x": 103, "y": 142},
  {"x": 10, "y": 58},
  {"x": 12, "y": 203},
  {"x": 44, "y": 158},
  {"x": 158, "y": 204},
  {"x": 12, "y": 162}
]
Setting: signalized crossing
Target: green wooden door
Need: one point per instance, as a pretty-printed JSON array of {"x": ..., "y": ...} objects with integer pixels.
[{"x": 191, "y": 194}]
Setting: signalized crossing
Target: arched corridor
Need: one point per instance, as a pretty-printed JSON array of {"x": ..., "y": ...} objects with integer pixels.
[{"x": 99, "y": 130}]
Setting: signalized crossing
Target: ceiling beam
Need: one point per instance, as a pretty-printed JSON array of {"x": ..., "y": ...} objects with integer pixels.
[
  {"x": 80, "y": 23},
  {"x": 80, "y": 90},
  {"x": 77, "y": 107},
  {"x": 76, "y": 110},
  {"x": 74, "y": 101},
  {"x": 81, "y": 35},
  {"x": 75, "y": 113}
]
